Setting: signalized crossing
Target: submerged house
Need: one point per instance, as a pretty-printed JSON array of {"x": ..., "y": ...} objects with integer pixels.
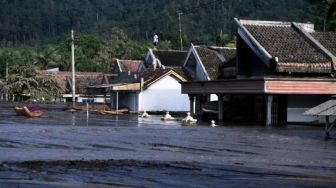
[
  {"x": 205, "y": 63},
  {"x": 281, "y": 69},
  {"x": 151, "y": 90}
]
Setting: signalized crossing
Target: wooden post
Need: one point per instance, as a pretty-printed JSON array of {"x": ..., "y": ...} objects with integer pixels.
[
  {"x": 269, "y": 101},
  {"x": 104, "y": 101},
  {"x": 327, "y": 134},
  {"x": 220, "y": 107}
]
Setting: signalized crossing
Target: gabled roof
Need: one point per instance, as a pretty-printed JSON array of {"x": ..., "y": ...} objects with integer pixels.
[
  {"x": 212, "y": 58},
  {"x": 132, "y": 66},
  {"x": 287, "y": 45},
  {"x": 170, "y": 58},
  {"x": 152, "y": 76}
]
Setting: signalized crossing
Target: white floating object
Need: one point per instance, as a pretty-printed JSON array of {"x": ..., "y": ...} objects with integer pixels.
[
  {"x": 145, "y": 115},
  {"x": 189, "y": 120},
  {"x": 167, "y": 117},
  {"x": 213, "y": 123}
]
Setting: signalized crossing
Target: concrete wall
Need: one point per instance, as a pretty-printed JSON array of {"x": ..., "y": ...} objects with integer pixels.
[{"x": 164, "y": 95}]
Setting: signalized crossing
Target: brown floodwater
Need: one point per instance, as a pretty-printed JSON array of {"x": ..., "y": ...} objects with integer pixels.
[{"x": 64, "y": 149}]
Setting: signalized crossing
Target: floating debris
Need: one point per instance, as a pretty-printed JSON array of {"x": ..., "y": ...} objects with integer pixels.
[
  {"x": 167, "y": 117},
  {"x": 213, "y": 123},
  {"x": 145, "y": 115},
  {"x": 189, "y": 120}
]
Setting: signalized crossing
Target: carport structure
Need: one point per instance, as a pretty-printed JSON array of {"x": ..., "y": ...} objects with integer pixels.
[
  {"x": 114, "y": 90},
  {"x": 328, "y": 110}
]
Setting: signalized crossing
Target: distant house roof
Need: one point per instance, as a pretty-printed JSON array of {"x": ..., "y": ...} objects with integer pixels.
[
  {"x": 288, "y": 44},
  {"x": 212, "y": 59},
  {"x": 152, "y": 76},
  {"x": 83, "y": 80},
  {"x": 170, "y": 58},
  {"x": 132, "y": 66}
]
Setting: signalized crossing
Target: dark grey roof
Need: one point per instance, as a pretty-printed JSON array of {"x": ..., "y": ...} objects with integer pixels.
[
  {"x": 213, "y": 58},
  {"x": 171, "y": 58},
  {"x": 210, "y": 61},
  {"x": 325, "y": 109},
  {"x": 295, "y": 53},
  {"x": 327, "y": 39}
]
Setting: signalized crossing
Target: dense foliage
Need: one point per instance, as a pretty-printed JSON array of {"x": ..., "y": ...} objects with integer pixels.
[
  {"x": 34, "y": 34},
  {"x": 202, "y": 20}
]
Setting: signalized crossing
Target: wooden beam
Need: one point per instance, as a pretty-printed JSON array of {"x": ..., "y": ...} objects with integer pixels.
[
  {"x": 224, "y": 87},
  {"x": 300, "y": 87}
]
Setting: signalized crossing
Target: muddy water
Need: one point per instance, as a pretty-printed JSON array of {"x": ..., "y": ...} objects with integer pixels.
[{"x": 62, "y": 149}]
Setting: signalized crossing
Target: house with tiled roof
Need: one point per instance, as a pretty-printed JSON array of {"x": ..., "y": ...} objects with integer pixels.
[
  {"x": 208, "y": 63},
  {"x": 282, "y": 69},
  {"x": 204, "y": 63},
  {"x": 149, "y": 90}
]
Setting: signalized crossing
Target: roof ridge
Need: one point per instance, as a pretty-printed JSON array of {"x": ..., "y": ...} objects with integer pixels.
[{"x": 266, "y": 23}]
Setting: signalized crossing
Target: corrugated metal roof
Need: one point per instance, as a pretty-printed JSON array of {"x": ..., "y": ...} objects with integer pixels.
[{"x": 325, "y": 109}]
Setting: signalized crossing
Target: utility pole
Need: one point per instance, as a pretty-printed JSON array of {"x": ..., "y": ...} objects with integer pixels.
[
  {"x": 73, "y": 68},
  {"x": 179, "y": 14}
]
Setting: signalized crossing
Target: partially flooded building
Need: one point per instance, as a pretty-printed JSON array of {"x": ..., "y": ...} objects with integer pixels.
[{"x": 280, "y": 70}]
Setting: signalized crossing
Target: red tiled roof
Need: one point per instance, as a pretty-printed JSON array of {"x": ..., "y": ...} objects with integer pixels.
[
  {"x": 83, "y": 79},
  {"x": 133, "y": 66}
]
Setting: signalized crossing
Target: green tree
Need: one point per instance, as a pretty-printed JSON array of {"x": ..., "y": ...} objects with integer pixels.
[
  {"x": 223, "y": 39},
  {"x": 25, "y": 79}
]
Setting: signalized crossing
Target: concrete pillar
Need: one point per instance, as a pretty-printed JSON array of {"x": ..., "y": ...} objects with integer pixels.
[
  {"x": 192, "y": 99},
  {"x": 269, "y": 102},
  {"x": 220, "y": 107}
]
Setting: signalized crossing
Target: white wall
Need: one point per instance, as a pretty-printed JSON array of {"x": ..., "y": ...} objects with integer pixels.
[
  {"x": 213, "y": 97},
  {"x": 164, "y": 95}
]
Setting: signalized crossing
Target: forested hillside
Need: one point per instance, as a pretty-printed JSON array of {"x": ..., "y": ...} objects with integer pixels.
[
  {"x": 34, "y": 34},
  {"x": 31, "y": 21}
]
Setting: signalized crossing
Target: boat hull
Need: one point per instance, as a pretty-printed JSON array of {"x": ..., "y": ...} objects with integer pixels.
[{"x": 25, "y": 112}]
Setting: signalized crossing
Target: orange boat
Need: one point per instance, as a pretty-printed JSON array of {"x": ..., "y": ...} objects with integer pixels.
[{"x": 25, "y": 112}]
